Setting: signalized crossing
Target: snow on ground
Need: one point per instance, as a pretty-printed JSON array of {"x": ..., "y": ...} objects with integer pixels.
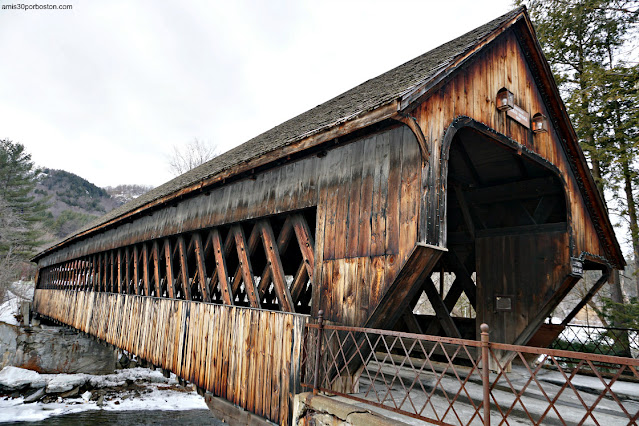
[
  {"x": 10, "y": 307},
  {"x": 152, "y": 392}
]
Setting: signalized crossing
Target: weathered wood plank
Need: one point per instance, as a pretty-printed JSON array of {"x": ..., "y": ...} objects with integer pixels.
[
  {"x": 305, "y": 241},
  {"x": 245, "y": 266},
  {"x": 201, "y": 267},
  {"x": 184, "y": 269},
  {"x": 275, "y": 264},
  {"x": 120, "y": 271},
  {"x": 443, "y": 315},
  {"x": 145, "y": 269},
  {"x": 168, "y": 259},
  {"x": 282, "y": 245},
  {"x": 222, "y": 271}
]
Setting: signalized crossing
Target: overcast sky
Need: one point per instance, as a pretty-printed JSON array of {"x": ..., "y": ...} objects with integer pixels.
[{"x": 105, "y": 90}]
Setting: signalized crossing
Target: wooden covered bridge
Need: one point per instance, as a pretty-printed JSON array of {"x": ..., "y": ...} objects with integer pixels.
[{"x": 460, "y": 161}]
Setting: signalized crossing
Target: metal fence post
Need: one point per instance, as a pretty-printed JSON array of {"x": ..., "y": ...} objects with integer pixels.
[
  {"x": 485, "y": 371},
  {"x": 318, "y": 346}
]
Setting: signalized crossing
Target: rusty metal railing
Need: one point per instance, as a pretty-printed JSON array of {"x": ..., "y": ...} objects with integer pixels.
[
  {"x": 615, "y": 341},
  {"x": 450, "y": 381}
]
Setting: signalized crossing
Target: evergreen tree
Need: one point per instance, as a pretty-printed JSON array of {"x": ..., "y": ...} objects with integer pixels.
[
  {"x": 586, "y": 42},
  {"x": 20, "y": 213}
]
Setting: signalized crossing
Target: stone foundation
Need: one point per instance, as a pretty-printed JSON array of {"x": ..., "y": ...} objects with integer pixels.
[
  {"x": 51, "y": 349},
  {"x": 318, "y": 410}
]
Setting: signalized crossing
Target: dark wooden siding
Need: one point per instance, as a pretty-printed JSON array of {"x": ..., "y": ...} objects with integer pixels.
[{"x": 530, "y": 268}]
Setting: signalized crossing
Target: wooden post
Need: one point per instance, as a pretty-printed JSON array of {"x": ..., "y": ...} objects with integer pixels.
[
  {"x": 277, "y": 271},
  {"x": 245, "y": 266},
  {"x": 170, "y": 281},
  {"x": 222, "y": 271},
  {"x": 111, "y": 271},
  {"x": 201, "y": 267},
  {"x": 305, "y": 241},
  {"x": 136, "y": 270},
  {"x": 105, "y": 261},
  {"x": 156, "y": 268},
  {"x": 184, "y": 269},
  {"x": 145, "y": 269},
  {"x": 119, "y": 271},
  {"x": 127, "y": 275}
]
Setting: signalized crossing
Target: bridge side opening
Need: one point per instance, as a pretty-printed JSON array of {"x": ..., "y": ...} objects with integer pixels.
[
  {"x": 506, "y": 230},
  {"x": 266, "y": 263}
]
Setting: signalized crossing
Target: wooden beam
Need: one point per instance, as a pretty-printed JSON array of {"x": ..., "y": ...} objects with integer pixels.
[
  {"x": 228, "y": 248},
  {"x": 584, "y": 301},
  {"x": 155, "y": 249},
  {"x": 220, "y": 263},
  {"x": 136, "y": 270},
  {"x": 119, "y": 270},
  {"x": 535, "y": 322},
  {"x": 299, "y": 282},
  {"x": 411, "y": 322},
  {"x": 525, "y": 189},
  {"x": 253, "y": 241},
  {"x": 105, "y": 277},
  {"x": 524, "y": 229},
  {"x": 127, "y": 271},
  {"x": 417, "y": 267},
  {"x": 275, "y": 264},
  {"x": 145, "y": 269},
  {"x": 544, "y": 209},
  {"x": 94, "y": 275},
  {"x": 443, "y": 314},
  {"x": 305, "y": 242},
  {"x": 282, "y": 245},
  {"x": 184, "y": 268},
  {"x": 454, "y": 293},
  {"x": 412, "y": 123},
  {"x": 201, "y": 267},
  {"x": 245, "y": 266},
  {"x": 461, "y": 274},
  {"x": 468, "y": 220},
  {"x": 73, "y": 264},
  {"x": 170, "y": 281},
  {"x": 111, "y": 273},
  {"x": 469, "y": 164},
  {"x": 452, "y": 296}
]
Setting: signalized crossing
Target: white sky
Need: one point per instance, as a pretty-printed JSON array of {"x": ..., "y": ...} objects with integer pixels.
[{"x": 106, "y": 89}]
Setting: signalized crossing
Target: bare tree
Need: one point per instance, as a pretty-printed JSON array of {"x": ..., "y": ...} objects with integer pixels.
[{"x": 188, "y": 156}]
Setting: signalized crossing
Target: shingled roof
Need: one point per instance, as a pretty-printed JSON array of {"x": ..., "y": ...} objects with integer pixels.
[{"x": 368, "y": 96}]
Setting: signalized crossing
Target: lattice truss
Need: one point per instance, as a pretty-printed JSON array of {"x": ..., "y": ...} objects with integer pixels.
[{"x": 241, "y": 264}]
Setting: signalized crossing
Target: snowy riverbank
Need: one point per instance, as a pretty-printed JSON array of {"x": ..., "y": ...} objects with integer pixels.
[{"x": 126, "y": 390}]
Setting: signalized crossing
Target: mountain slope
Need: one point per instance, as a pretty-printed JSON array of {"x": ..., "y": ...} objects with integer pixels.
[{"x": 74, "y": 201}]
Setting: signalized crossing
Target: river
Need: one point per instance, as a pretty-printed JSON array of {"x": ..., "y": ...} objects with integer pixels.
[{"x": 147, "y": 417}]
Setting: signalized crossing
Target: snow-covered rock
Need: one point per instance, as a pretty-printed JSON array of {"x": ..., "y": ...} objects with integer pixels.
[
  {"x": 10, "y": 307},
  {"x": 65, "y": 382},
  {"x": 14, "y": 378}
]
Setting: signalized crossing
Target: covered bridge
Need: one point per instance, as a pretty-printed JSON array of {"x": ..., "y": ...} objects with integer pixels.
[{"x": 462, "y": 160}]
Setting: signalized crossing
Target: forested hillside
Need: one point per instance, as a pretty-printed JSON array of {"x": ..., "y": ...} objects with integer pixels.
[{"x": 73, "y": 201}]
